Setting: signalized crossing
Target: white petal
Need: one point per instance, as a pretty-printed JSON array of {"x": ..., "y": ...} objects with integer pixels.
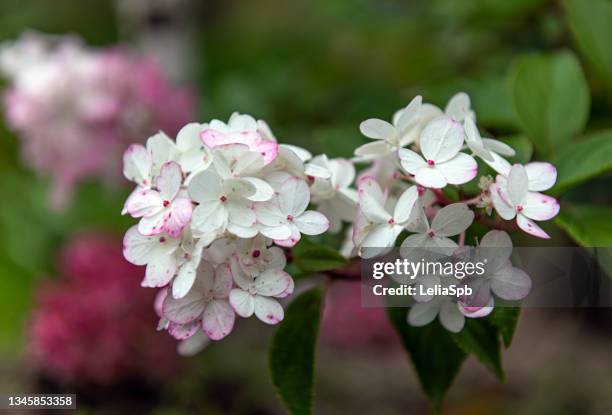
[
  {"x": 452, "y": 220},
  {"x": 263, "y": 191},
  {"x": 442, "y": 139},
  {"x": 268, "y": 310},
  {"x": 411, "y": 161},
  {"x": 458, "y": 106},
  {"x": 498, "y": 147},
  {"x": 269, "y": 214},
  {"x": 209, "y": 217},
  {"x": 276, "y": 232},
  {"x": 405, "y": 205},
  {"x": 162, "y": 149},
  {"x": 242, "y": 231},
  {"x": 377, "y": 129},
  {"x": 499, "y": 164},
  {"x": 474, "y": 141},
  {"x": 511, "y": 283},
  {"x": 496, "y": 248},
  {"x": 517, "y": 184},
  {"x": 430, "y": 177},
  {"x": 302, "y": 153},
  {"x": 186, "y": 309},
  {"x": 382, "y": 236},
  {"x": 137, "y": 164},
  {"x": 542, "y": 176},
  {"x": 184, "y": 280},
  {"x": 160, "y": 271},
  {"x": 458, "y": 170},
  {"x": 409, "y": 115},
  {"x": 421, "y": 314},
  {"x": 140, "y": 249},
  {"x": 293, "y": 197},
  {"x": 373, "y": 149},
  {"x": 272, "y": 282},
  {"x": 242, "y": 302},
  {"x": 218, "y": 319},
  {"x": 188, "y": 137},
  {"x": 223, "y": 281},
  {"x": 311, "y": 223},
  {"x": 240, "y": 214},
  {"x": 193, "y": 345},
  {"x": 451, "y": 318},
  {"x": 530, "y": 227},
  {"x": 537, "y": 206},
  {"x": 317, "y": 171},
  {"x": 205, "y": 186},
  {"x": 371, "y": 201},
  {"x": 145, "y": 202},
  {"x": 178, "y": 216},
  {"x": 154, "y": 224},
  {"x": 503, "y": 209}
]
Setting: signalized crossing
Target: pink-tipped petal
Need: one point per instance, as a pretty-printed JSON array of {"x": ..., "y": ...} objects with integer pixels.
[
  {"x": 530, "y": 227},
  {"x": 537, "y": 206}
]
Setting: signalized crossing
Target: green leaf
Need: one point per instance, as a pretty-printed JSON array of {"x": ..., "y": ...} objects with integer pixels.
[
  {"x": 551, "y": 99},
  {"x": 583, "y": 160},
  {"x": 505, "y": 319},
  {"x": 523, "y": 147},
  {"x": 480, "y": 338},
  {"x": 292, "y": 356},
  {"x": 589, "y": 22},
  {"x": 436, "y": 357},
  {"x": 311, "y": 258},
  {"x": 589, "y": 225}
]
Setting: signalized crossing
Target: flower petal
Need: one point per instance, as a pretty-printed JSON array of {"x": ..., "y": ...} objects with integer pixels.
[
  {"x": 430, "y": 177},
  {"x": 137, "y": 164},
  {"x": 451, "y": 318},
  {"x": 537, "y": 206},
  {"x": 146, "y": 202},
  {"x": 293, "y": 197},
  {"x": 373, "y": 149},
  {"x": 452, "y": 219},
  {"x": 371, "y": 201},
  {"x": 223, "y": 281},
  {"x": 411, "y": 161},
  {"x": 377, "y": 129},
  {"x": 268, "y": 310},
  {"x": 205, "y": 186},
  {"x": 209, "y": 216},
  {"x": 421, "y": 314},
  {"x": 517, "y": 184},
  {"x": 511, "y": 283},
  {"x": 530, "y": 227},
  {"x": 498, "y": 147},
  {"x": 405, "y": 205},
  {"x": 441, "y": 139},
  {"x": 242, "y": 302},
  {"x": 184, "y": 280},
  {"x": 474, "y": 141},
  {"x": 458, "y": 170},
  {"x": 311, "y": 223},
  {"x": 186, "y": 309},
  {"x": 504, "y": 210},
  {"x": 542, "y": 176},
  {"x": 169, "y": 180},
  {"x": 218, "y": 319},
  {"x": 272, "y": 282}
]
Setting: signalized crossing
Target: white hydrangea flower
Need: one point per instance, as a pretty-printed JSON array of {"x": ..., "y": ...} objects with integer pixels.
[
  {"x": 333, "y": 196},
  {"x": 391, "y": 137},
  {"x": 382, "y": 228},
  {"x": 207, "y": 302},
  {"x": 500, "y": 278},
  {"x": 157, "y": 252},
  {"x": 517, "y": 196},
  {"x": 255, "y": 293},
  {"x": 287, "y": 211},
  {"x": 441, "y": 142},
  {"x": 449, "y": 221}
]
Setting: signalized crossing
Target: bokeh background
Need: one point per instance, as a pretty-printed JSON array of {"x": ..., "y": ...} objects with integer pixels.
[{"x": 313, "y": 69}]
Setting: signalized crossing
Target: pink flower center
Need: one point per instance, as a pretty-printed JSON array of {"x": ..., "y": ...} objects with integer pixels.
[
  {"x": 290, "y": 218},
  {"x": 431, "y": 163},
  {"x": 223, "y": 199},
  {"x": 391, "y": 221},
  {"x": 519, "y": 208},
  {"x": 256, "y": 253},
  {"x": 420, "y": 190},
  {"x": 310, "y": 179},
  {"x": 162, "y": 239},
  {"x": 431, "y": 234},
  {"x": 166, "y": 203}
]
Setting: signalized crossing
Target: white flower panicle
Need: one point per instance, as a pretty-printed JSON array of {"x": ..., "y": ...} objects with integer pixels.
[
  {"x": 414, "y": 158},
  {"x": 218, "y": 207},
  {"x": 214, "y": 208}
]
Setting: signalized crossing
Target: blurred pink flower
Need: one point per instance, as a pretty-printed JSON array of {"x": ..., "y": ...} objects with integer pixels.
[
  {"x": 93, "y": 324},
  {"x": 76, "y": 109},
  {"x": 348, "y": 325}
]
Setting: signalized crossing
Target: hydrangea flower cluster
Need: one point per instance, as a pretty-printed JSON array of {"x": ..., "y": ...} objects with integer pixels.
[
  {"x": 423, "y": 150},
  {"x": 217, "y": 207},
  {"x": 75, "y": 109}
]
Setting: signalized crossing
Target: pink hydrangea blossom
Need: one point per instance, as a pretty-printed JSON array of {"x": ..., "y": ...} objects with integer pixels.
[
  {"x": 75, "y": 109},
  {"x": 93, "y": 325}
]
